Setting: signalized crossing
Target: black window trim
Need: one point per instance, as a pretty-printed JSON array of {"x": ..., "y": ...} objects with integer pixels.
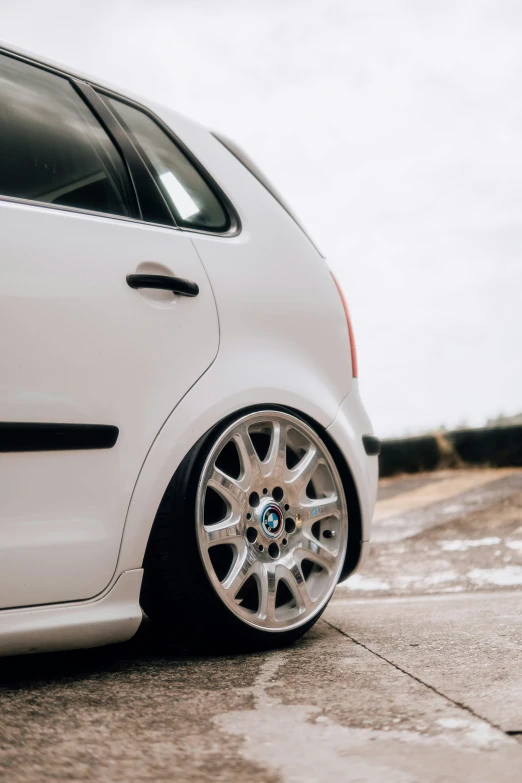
[
  {"x": 234, "y": 223},
  {"x": 135, "y": 204},
  {"x": 92, "y": 95},
  {"x": 152, "y": 205}
]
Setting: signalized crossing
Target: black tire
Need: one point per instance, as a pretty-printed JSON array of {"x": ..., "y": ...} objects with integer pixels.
[{"x": 177, "y": 595}]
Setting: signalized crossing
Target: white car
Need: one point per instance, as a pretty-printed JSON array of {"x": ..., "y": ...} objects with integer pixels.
[{"x": 181, "y": 432}]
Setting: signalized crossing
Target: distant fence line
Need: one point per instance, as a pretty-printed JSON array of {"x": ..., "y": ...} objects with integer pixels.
[{"x": 494, "y": 446}]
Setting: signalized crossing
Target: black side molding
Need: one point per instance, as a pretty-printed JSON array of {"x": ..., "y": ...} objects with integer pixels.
[
  {"x": 26, "y": 436},
  {"x": 372, "y": 445}
]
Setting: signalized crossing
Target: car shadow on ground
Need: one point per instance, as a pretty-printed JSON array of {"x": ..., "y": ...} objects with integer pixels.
[
  {"x": 145, "y": 650},
  {"x": 20, "y": 670}
]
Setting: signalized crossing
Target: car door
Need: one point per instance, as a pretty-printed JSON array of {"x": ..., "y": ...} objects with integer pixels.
[{"x": 90, "y": 367}]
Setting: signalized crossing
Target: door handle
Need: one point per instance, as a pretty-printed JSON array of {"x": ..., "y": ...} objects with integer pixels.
[{"x": 165, "y": 282}]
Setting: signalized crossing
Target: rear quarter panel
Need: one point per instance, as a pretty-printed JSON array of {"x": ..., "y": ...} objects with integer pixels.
[{"x": 283, "y": 333}]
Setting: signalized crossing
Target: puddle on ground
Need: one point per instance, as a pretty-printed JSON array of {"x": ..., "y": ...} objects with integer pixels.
[
  {"x": 463, "y": 545},
  {"x": 508, "y": 576},
  {"x": 302, "y": 744},
  {"x": 361, "y": 582}
]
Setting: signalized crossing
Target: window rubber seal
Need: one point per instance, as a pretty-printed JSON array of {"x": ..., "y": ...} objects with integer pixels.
[{"x": 152, "y": 204}]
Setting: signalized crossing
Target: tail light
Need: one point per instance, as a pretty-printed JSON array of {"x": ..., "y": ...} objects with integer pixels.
[{"x": 350, "y": 330}]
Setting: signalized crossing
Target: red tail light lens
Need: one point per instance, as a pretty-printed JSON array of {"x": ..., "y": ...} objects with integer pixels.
[{"x": 350, "y": 330}]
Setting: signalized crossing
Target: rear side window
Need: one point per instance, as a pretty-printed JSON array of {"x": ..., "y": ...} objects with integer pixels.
[
  {"x": 193, "y": 203},
  {"x": 52, "y": 148}
]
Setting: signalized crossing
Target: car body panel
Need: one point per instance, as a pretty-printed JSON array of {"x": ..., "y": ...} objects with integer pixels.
[
  {"x": 347, "y": 430},
  {"x": 78, "y": 345}
]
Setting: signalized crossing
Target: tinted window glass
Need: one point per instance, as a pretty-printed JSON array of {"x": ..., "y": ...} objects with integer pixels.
[
  {"x": 52, "y": 148},
  {"x": 193, "y": 202}
]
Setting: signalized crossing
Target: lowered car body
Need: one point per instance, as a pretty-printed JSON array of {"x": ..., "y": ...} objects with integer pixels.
[{"x": 156, "y": 296}]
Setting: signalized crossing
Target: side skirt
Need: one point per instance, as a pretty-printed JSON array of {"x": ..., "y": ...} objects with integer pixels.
[{"x": 115, "y": 617}]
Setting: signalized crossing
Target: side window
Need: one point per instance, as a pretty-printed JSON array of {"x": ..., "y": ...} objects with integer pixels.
[
  {"x": 52, "y": 148},
  {"x": 193, "y": 203}
]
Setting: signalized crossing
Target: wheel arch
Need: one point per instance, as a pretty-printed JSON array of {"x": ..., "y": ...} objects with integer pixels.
[{"x": 136, "y": 535}]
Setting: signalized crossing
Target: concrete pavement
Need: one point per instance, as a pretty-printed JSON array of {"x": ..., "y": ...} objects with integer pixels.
[
  {"x": 467, "y": 647},
  {"x": 410, "y": 677}
]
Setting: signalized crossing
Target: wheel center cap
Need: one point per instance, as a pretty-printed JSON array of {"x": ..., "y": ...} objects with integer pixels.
[{"x": 272, "y": 520}]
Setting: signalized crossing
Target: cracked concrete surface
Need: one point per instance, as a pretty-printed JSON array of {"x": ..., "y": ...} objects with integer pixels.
[
  {"x": 309, "y": 740},
  {"x": 419, "y": 682}
]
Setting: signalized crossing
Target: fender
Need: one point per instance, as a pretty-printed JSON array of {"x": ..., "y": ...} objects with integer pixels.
[{"x": 232, "y": 389}]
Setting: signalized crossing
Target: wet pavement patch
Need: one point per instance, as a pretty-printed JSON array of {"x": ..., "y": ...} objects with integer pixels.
[{"x": 434, "y": 549}]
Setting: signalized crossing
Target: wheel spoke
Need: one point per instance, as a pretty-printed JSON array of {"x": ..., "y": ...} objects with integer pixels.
[
  {"x": 267, "y": 592},
  {"x": 250, "y": 465},
  {"x": 314, "y": 510},
  {"x": 229, "y": 489},
  {"x": 305, "y": 469},
  {"x": 239, "y": 573},
  {"x": 229, "y": 531},
  {"x": 275, "y": 462},
  {"x": 296, "y": 584},
  {"x": 313, "y": 550}
]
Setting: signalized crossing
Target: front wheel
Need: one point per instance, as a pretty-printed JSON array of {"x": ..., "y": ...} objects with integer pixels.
[{"x": 250, "y": 538}]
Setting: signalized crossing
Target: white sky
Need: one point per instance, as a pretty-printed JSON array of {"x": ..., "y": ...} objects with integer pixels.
[{"x": 395, "y": 131}]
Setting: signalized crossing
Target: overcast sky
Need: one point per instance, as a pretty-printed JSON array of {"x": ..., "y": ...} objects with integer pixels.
[{"x": 395, "y": 131}]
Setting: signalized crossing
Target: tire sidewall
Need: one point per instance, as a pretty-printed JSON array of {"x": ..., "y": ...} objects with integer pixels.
[{"x": 177, "y": 592}]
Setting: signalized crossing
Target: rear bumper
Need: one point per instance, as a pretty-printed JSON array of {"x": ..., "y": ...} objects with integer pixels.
[{"x": 347, "y": 430}]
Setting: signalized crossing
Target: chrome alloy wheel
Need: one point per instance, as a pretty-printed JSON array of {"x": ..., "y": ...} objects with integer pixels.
[{"x": 271, "y": 520}]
